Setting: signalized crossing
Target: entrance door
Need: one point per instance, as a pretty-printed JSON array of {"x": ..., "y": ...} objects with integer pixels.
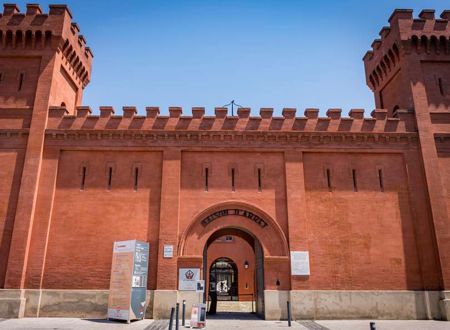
[{"x": 223, "y": 279}]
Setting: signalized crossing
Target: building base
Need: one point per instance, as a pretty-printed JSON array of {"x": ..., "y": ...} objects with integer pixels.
[{"x": 306, "y": 304}]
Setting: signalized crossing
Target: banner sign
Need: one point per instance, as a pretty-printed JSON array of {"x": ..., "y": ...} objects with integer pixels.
[{"x": 242, "y": 213}]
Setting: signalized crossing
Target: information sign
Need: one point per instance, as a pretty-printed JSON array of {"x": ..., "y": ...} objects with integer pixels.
[
  {"x": 187, "y": 279},
  {"x": 300, "y": 263}
]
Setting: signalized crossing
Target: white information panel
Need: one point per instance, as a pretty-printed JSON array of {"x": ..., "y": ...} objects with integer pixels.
[
  {"x": 188, "y": 278},
  {"x": 168, "y": 251},
  {"x": 300, "y": 263}
]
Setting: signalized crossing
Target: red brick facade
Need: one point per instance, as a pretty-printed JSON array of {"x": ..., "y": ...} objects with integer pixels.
[{"x": 367, "y": 197}]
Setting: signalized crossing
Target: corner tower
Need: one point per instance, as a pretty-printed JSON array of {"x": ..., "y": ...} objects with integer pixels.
[
  {"x": 409, "y": 68},
  {"x": 42, "y": 56},
  {"x": 410, "y": 51}
]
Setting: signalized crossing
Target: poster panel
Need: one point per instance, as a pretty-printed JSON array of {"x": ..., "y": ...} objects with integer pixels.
[
  {"x": 300, "y": 263},
  {"x": 187, "y": 279}
]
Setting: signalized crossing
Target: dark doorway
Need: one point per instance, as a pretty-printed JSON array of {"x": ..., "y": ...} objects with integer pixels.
[{"x": 223, "y": 279}]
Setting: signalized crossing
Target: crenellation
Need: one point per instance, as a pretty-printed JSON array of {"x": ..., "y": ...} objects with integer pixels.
[
  {"x": 379, "y": 114},
  {"x": 83, "y": 111},
  {"x": 334, "y": 113},
  {"x": 175, "y": 112},
  {"x": 129, "y": 111},
  {"x": 356, "y": 113},
  {"x": 312, "y": 113},
  {"x": 198, "y": 112},
  {"x": 427, "y": 14},
  {"x": 221, "y": 112},
  {"x": 59, "y": 10},
  {"x": 10, "y": 9},
  {"x": 106, "y": 111},
  {"x": 152, "y": 112},
  {"x": 289, "y": 113},
  {"x": 243, "y": 112},
  {"x": 266, "y": 113},
  {"x": 33, "y": 9},
  {"x": 445, "y": 15}
]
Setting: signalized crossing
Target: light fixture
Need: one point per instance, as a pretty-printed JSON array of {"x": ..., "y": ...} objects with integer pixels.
[{"x": 246, "y": 264}]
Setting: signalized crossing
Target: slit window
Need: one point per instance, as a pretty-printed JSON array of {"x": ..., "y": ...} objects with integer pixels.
[
  {"x": 206, "y": 179},
  {"x": 330, "y": 188},
  {"x": 136, "y": 178},
  {"x": 110, "y": 172},
  {"x": 259, "y": 180},
  {"x": 441, "y": 87},
  {"x": 381, "y": 179},
  {"x": 83, "y": 178},
  {"x": 2, "y": 76},
  {"x": 355, "y": 182},
  {"x": 233, "y": 183},
  {"x": 21, "y": 76}
]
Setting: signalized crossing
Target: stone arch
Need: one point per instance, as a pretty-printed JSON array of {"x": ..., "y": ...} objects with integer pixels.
[{"x": 271, "y": 237}]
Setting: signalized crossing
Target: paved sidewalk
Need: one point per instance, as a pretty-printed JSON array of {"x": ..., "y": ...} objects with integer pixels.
[{"x": 224, "y": 322}]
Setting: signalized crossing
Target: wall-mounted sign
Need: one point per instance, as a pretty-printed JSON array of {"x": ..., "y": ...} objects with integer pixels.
[
  {"x": 242, "y": 213},
  {"x": 300, "y": 263},
  {"x": 128, "y": 284},
  {"x": 168, "y": 251},
  {"x": 188, "y": 278},
  {"x": 200, "y": 286}
]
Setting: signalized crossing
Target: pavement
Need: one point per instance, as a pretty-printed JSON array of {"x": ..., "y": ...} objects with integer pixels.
[{"x": 221, "y": 321}]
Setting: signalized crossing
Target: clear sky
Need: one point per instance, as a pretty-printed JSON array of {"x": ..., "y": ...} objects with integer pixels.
[{"x": 261, "y": 53}]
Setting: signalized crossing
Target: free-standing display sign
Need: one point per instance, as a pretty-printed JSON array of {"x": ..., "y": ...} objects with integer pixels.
[
  {"x": 300, "y": 263},
  {"x": 187, "y": 279},
  {"x": 128, "y": 284},
  {"x": 198, "y": 316}
]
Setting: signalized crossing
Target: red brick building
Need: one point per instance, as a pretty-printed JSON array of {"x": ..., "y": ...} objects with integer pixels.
[{"x": 367, "y": 197}]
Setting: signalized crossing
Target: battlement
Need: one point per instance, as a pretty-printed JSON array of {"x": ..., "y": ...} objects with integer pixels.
[
  {"x": 221, "y": 121},
  {"x": 425, "y": 34},
  {"x": 35, "y": 32}
]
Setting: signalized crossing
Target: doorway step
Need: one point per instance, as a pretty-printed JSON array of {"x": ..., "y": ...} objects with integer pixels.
[{"x": 236, "y": 306}]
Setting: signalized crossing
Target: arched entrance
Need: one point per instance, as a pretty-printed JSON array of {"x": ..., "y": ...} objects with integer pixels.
[
  {"x": 268, "y": 262},
  {"x": 234, "y": 263}
]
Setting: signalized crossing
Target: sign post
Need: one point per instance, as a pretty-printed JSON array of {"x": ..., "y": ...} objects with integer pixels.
[{"x": 128, "y": 284}]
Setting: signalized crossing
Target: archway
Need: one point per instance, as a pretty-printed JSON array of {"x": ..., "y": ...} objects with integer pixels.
[{"x": 252, "y": 226}]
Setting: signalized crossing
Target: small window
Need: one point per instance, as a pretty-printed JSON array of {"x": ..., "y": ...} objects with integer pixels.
[
  {"x": 83, "y": 177},
  {"x": 233, "y": 183},
  {"x": 136, "y": 178},
  {"x": 328, "y": 172},
  {"x": 355, "y": 182},
  {"x": 441, "y": 87},
  {"x": 2, "y": 77},
  {"x": 381, "y": 179},
  {"x": 259, "y": 180},
  {"x": 206, "y": 178},
  {"x": 109, "y": 174},
  {"x": 21, "y": 77}
]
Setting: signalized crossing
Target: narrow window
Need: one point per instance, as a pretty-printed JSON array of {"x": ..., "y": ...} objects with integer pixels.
[
  {"x": 136, "y": 178},
  {"x": 110, "y": 170},
  {"x": 83, "y": 177},
  {"x": 206, "y": 178},
  {"x": 380, "y": 179},
  {"x": 259, "y": 180},
  {"x": 233, "y": 187},
  {"x": 441, "y": 87},
  {"x": 355, "y": 183},
  {"x": 1, "y": 77},
  {"x": 329, "y": 180},
  {"x": 20, "y": 81}
]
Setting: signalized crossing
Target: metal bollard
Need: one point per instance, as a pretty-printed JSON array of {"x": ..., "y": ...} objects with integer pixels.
[
  {"x": 373, "y": 326},
  {"x": 177, "y": 316},
  {"x": 289, "y": 313},
  {"x": 172, "y": 311},
  {"x": 183, "y": 314}
]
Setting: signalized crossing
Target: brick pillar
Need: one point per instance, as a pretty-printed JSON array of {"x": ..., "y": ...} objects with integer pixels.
[
  {"x": 166, "y": 282},
  {"x": 296, "y": 207},
  {"x": 23, "y": 223},
  {"x": 436, "y": 190}
]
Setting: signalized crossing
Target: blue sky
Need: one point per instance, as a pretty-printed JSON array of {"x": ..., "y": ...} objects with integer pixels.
[{"x": 261, "y": 53}]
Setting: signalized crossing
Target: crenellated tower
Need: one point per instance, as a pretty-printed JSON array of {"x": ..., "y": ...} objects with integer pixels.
[
  {"x": 411, "y": 49},
  {"x": 34, "y": 43}
]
